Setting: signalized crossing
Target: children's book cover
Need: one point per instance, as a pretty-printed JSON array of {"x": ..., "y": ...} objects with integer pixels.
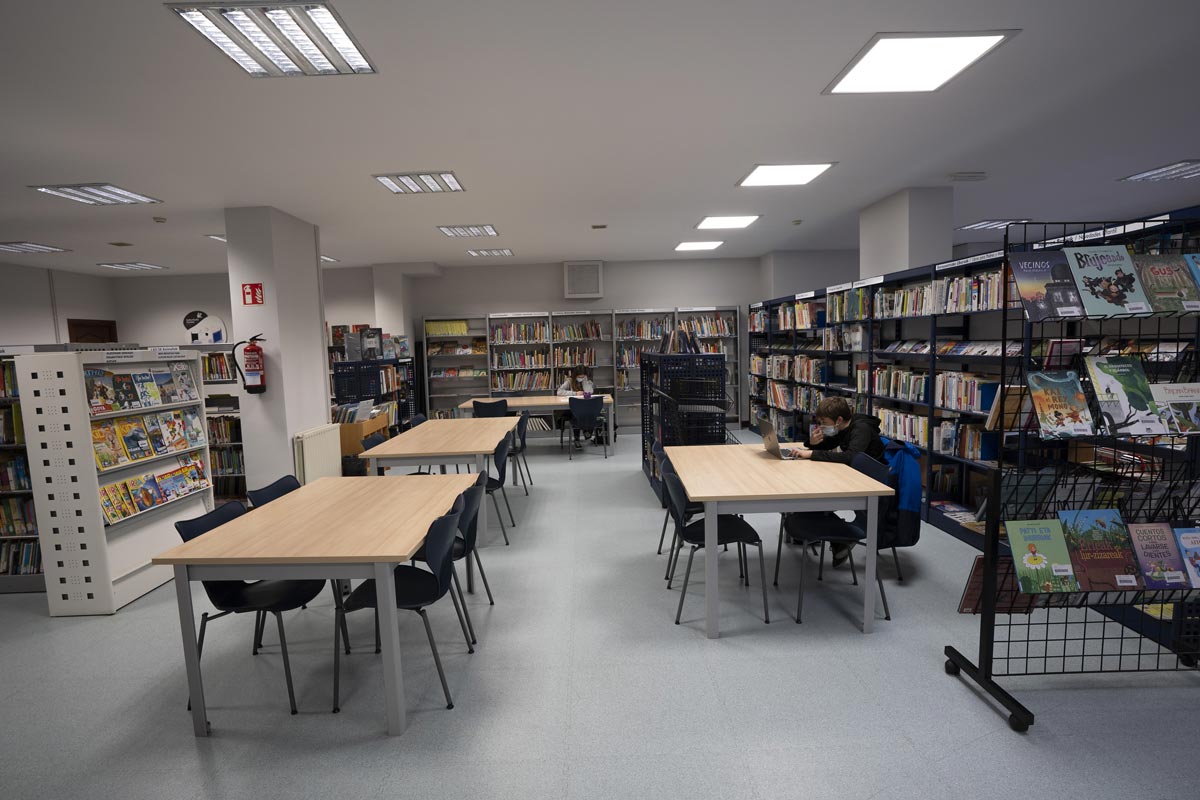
[
  {"x": 171, "y": 425},
  {"x": 126, "y": 499},
  {"x": 1124, "y": 395},
  {"x": 1041, "y": 557},
  {"x": 134, "y": 438},
  {"x": 126, "y": 392},
  {"x": 1193, "y": 262},
  {"x": 1179, "y": 405},
  {"x": 109, "y": 452},
  {"x": 1168, "y": 282},
  {"x": 157, "y": 440},
  {"x": 165, "y": 381},
  {"x": 193, "y": 427},
  {"x": 147, "y": 389},
  {"x": 1188, "y": 540},
  {"x": 1061, "y": 405},
  {"x": 174, "y": 484},
  {"x": 1158, "y": 555},
  {"x": 1107, "y": 281},
  {"x": 98, "y": 384},
  {"x": 1046, "y": 285},
  {"x": 144, "y": 491},
  {"x": 185, "y": 386},
  {"x": 1100, "y": 549},
  {"x": 106, "y": 505}
]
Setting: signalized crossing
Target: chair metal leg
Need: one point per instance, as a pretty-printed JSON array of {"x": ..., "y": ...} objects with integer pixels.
[
  {"x": 260, "y": 622},
  {"x": 741, "y": 571},
  {"x": 499, "y": 518},
  {"x": 671, "y": 556},
  {"x": 663, "y": 536},
  {"x": 483, "y": 575},
  {"x": 887, "y": 614},
  {"x": 462, "y": 623},
  {"x": 762, "y": 570},
  {"x": 511, "y": 518},
  {"x": 287, "y": 667},
  {"x": 853, "y": 571},
  {"x": 800, "y": 591},
  {"x": 377, "y": 642},
  {"x": 337, "y": 604},
  {"x": 436, "y": 658},
  {"x": 896, "y": 561},
  {"x": 683, "y": 594},
  {"x": 463, "y": 601},
  {"x": 570, "y": 444},
  {"x": 337, "y": 660},
  {"x": 821, "y": 564},
  {"x": 779, "y": 551},
  {"x": 528, "y": 474},
  {"x": 677, "y": 549}
]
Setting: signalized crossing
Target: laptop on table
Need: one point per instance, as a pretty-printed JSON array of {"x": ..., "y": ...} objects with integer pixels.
[{"x": 771, "y": 440}]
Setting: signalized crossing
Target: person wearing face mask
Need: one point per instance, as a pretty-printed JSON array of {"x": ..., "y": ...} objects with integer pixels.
[{"x": 578, "y": 385}]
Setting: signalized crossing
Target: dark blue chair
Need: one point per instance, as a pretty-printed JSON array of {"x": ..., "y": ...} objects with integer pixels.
[
  {"x": 464, "y": 545},
  {"x": 273, "y": 491},
  {"x": 517, "y": 453},
  {"x": 240, "y": 597},
  {"x": 690, "y": 510},
  {"x": 416, "y": 420},
  {"x": 586, "y": 416},
  {"x": 809, "y": 529},
  {"x": 415, "y": 590},
  {"x": 500, "y": 459},
  {"x": 493, "y": 408}
]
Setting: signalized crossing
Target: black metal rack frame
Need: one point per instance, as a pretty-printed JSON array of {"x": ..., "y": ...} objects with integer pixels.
[{"x": 683, "y": 403}]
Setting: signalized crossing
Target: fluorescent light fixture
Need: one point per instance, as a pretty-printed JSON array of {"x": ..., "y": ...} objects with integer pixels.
[
  {"x": 783, "y": 174},
  {"x": 461, "y": 231},
  {"x": 216, "y": 237},
  {"x": 698, "y": 245},
  {"x": 1180, "y": 170},
  {"x": 721, "y": 223},
  {"x": 96, "y": 194},
  {"x": 278, "y": 39},
  {"x": 913, "y": 62},
  {"x": 132, "y": 266},
  {"x": 489, "y": 253},
  {"x": 992, "y": 224},
  {"x": 329, "y": 259},
  {"x": 420, "y": 182},
  {"x": 31, "y": 248}
]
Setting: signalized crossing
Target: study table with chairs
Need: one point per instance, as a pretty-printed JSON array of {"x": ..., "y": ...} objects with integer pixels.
[{"x": 552, "y": 403}]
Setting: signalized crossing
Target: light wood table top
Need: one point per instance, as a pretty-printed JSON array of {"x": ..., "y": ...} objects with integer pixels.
[
  {"x": 331, "y": 520},
  {"x": 446, "y": 437},
  {"x": 748, "y": 472},
  {"x": 541, "y": 402}
]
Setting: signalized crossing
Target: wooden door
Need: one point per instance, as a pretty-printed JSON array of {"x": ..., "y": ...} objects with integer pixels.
[{"x": 91, "y": 331}]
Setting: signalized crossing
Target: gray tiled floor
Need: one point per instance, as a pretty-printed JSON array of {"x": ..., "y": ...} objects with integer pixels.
[{"x": 581, "y": 687}]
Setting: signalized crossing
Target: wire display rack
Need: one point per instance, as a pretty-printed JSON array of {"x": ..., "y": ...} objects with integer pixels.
[{"x": 684, "y": 402}]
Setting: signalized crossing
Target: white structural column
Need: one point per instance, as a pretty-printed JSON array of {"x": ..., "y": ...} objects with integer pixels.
[
  {"x": 910, "y": 228},
  {"x": 271, "y": 248}
]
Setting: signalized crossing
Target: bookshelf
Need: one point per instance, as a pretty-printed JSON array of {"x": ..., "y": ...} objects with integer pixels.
[
  {"x": 100, "y": 525},
  {"x": 520, "y": 352},
  {"x": 20, "y": 550},
  {"x": 452, "y": 346},
  {"x": 717, "y": 329},
  {"x": 635, "y": 330},
  {"x": 222, "y": 391},
  {"x": 584, "y": 338}
]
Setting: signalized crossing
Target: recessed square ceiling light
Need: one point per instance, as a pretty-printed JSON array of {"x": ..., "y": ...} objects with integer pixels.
[
  {"x": 96, "y": 194},
  {"x": 991, "y": 224},
  {"x": 132, "y": 266},
  {"x": 783, "y": 174},
  {"x": 489, "y": 253},
  {"x": 719, "y": 223},
  {"x": 1180, "y": 170},
  {"x": 913, "y": 62},
  {"x": 216, "y": 237},
  {"x": 31, "y": 248},
  {"x": 330, "y": 260},
  {"x": 460, "y": 231},
  {"x": 278, "y": 38},
  {"x": 698, "y": 245},
  {"x": 420, "y": 182}
]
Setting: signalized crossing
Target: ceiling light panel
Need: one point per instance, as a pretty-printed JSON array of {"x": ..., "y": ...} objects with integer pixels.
[
  {"x": 329, "y": 259},
  {"x": 1180, "y": 170},
  {"x": 468, "y": 231},
  {"x": 216, "y": 237},
  {"x": 489, "y": 253},
  {"x": 913, "y": 62},
  {"x": 96, "y": 194},
  {"x": 783, "y": 174},
  {"x": 282, "y": 39},
  {"x": 29, "y": 248},
  {"x": 992, "y": 224},
  {"x": 683, "y": 246},
  {"x": 430, "y": 182},
  {"x": 132, "y": 266},
  {"x": 722, "y": 223}
]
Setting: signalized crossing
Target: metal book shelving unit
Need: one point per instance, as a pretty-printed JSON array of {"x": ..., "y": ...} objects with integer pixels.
[{"x": 684, "y": 402}]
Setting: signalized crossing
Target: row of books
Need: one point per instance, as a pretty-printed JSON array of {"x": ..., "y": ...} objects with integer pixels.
[
  {"x": 905, "y": 301},
  {"x": 578, "y": 331},
  {"x": 799, "y": 315},
  {"x": 710, "y": 327},
  {"x": 779, "y": 395},
  {"x": 758, "y": 364},
  {"x": 8, "y": 380},
  {"x": 14, "y": 472},
  {"x": 970, "y": 293},
  {"x": 964, "y": 391},
  {"x": 901, "y": 383},
  {"x": 574, "y": 356},
  {"x": 20, "y": 558},
  {"x": 12, "y": 429},
  {"x": 779, "y": 367},
  {"x": 146, "y": 388},
  {"x": 520, "y": 333},
  {"x": 971, "y": 441},
  {"x": 476, "y": 347},
  {"x": 629, "y": 355},
  {"x": 904, "y": 426},
  {"x": 521, "y": 382},
  {"x": 142, "y": 492},
  {"x": 848, "y": 338},
  {"x": 643, "y": 328},
  {"x": 758, "y": 320},
  {"x": 848, "y": 306},
  {"x": 17, "y": 516},
  {"x": 1105, "y": 281},
  {"x": 1094, "y": 550},
  {"x": 627, "y": 381},
  {"x": 954, "y": 347},
  {"x": 216, "y": 367},
  {"x": 117, "y": 442},
  {"x": 229, "y": 486},
  {"x": 227, "y": 461},
  {"x": 225, "y": 430},
  {"x": 527, "y": 359},
  {"x": 446, "y": 327},
  {"x": 464, "y": 371},
  {"x": 808, "y": 370}
]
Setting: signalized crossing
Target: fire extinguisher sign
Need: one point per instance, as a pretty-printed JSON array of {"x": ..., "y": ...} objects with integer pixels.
[{"x": 252, "y": 294}]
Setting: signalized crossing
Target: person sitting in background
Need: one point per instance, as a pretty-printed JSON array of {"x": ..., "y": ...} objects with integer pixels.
[{"x": 578, "y": 385}]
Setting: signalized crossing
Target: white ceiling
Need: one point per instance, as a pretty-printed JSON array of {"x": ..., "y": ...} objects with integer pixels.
[{"x": 639, "y": 114}]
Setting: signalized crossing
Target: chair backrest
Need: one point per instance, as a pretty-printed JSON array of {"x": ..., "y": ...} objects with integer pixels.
[
  {"x": 522, "y": 427},
  {"x": 221, "y": 594},
  {"x": 585, "y": 411},
  {"x": 500, "y": 457},
  {"x": 416, "y": 420},
  {"x": 494, "y": 408},
  {"x": 439, "y": 544},
  {"x": 877, "y": 471},
  {"x": 273, "y": 491},
  {"x": 676, "y": 497},
  {"x": 468, "y": 522},
  {"x": 374, "y": 440}
]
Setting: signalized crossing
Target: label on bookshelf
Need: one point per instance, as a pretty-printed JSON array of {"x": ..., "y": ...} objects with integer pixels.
[
  {"x": 878, "y": 279},
  {"x": 962, "y": 262},
  {"x": 167, "y": 352},
  {"x": 643, "y": 311},
  {"x": 570, "y": 313},
  {"x": 841, "y": 287},
  {"x": 756, "y": 305},
  {"x": 699, "y": 308},
  {"x": 806, "y": 295},
  {"x": 113, "y": 356},
  {"x": 521, "y": 314},
  {"x": 14, "y": 349}
]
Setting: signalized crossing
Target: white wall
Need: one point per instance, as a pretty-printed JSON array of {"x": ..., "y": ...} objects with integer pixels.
[
  {"x": 787, "y": 272},
  {"x": 80, "y": 296},
  {"x": 910, "y": 228},
  {"x": 25, "y": 311},
  {"x": 150, "y": 310},
  {"x": 349, "y": 296}
]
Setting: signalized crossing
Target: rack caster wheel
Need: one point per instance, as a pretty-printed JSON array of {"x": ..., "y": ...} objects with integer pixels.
[
  {"x": 951, "y": 667},
  {"x": 1018, "y": 725},
  {"x": 1188, "y": 661}
]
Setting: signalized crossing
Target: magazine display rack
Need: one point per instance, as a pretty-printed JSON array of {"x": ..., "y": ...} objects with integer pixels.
[{"x": 97, "y": 552}]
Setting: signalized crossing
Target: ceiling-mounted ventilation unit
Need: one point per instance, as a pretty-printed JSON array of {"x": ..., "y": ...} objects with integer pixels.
[{"x": 583, "y": 280}]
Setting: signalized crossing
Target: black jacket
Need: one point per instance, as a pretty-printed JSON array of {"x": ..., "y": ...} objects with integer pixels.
[{"x": 860, "y": 436}]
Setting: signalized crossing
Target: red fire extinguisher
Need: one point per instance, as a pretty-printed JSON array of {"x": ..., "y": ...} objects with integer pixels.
[{"x": 254, "y": 367}]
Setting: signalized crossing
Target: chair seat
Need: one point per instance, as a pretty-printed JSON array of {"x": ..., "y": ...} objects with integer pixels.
[
  {"x": 493, "y": 484},
  {"x": 458, "y": 552},
  {"x": 268, "y": 596},
  {"x": 415, "y": 588},
  {"x": 730, "y": 529},
  {"x": 822, "y": 527}
]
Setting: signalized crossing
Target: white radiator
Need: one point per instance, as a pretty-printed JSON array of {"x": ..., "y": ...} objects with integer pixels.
[{"x": 318, "y": 453}]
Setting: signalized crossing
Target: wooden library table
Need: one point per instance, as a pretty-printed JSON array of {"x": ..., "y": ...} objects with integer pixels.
[
  {"x": 332, "y": 528},
  {"x": 746, "y": 479},
  {"x": 544, "y": 403}
]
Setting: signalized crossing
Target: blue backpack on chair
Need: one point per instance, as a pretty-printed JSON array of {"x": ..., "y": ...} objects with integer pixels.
[{"x": 904, "y": 464}]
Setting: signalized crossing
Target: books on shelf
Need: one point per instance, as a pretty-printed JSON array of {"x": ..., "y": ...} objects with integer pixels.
[
  {"x": 574, "y": 356},
  {"x": 759, "y": 320},
  {"x": 779, "y": 367},
  {"x": 520, "y": 332},
  {"x": 965, "y": 294},
  {"x": 186, "y": 475},
  {"x": 785, "y": 317},
  {"x": 159, "y": 385},
  {"x": 581, "y": 331},
  {"x": 1178, "y": 405},
  {"x": 913, "y": 428},
  {"x": 1168, "y": 283},
  {"x": 1060, "y": 403},
  {"x": 8, "y": 381},
  {"x": 758, "y": 364},
  {"x": 446, "y": 327},
  {"x": 643, "y": 328},
  {"x": 808, "y": 370},
  {"x": 848, "y": 338},
  {"x": 1158, "y": 555},
  {"x": 1040, "y": 556},
  {"x": 905, "y": 301},
  {"x": 216, "y": 367},
  {"x": 1107, "y": 280},
  {"x": 12, "y": 429},
  {"x": 228, "y": 461},
  {"x": 1124, "y": 395},
  {"x": 901, "y": 383},
  {"x": 1100, "y": 549},
  {"x": 520, "y": 359},
  {"x": 477, "y": 346},
  {"x": 710, "y": 326},
  {"x": 20, "y": 558},
  {"x": 1188, "y": 540},
  {"x": 461, "y": 372},
  {"x": 14, "y": 472},
  {"x": 964, "y": 391},
  {"x": 222, "y": 430},
  {"x": 17, "y": 517},
  {"x": 1046, "y": 285},
  {"x": 779, "y": 395},
  {"x": 120, "y": 441},
  {"x": 521, "y": 382}
]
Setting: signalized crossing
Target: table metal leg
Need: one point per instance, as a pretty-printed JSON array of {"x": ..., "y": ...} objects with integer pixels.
[
  {"x": 191, "y": 651},
  {"x": 480, "y": 527},
  {"x": 712, "y": 600},
  {"x": 389, "y": 631},
  {"x": 612, "y": 422},
  {"x": 872, "y": 557}
]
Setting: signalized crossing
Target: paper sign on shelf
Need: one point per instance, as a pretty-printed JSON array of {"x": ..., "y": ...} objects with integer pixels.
[
  {"x": 806, "y": 295},
  {"x": 756, "y": 305},
  {"x": 841, "y": 287},
  {"x": 867, "y": 282},
  {"x": 698, "y": 308},
  {"x": 962, "y": 262},
  {"x": 121, "y": 355},
  {"x": 168, "y": 352}
]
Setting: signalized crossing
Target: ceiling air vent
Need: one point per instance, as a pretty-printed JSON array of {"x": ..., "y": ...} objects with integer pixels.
[
  {"x": 583, "y": 280},
  {"x": 967, "y": 177}
]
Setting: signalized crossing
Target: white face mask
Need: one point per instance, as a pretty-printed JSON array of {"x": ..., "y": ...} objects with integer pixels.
[
  {"x": 829, "y": 430},
  {"x": 580, "y": 378}
]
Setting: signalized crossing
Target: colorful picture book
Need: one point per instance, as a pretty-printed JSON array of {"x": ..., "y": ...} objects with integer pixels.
[
  {"x": 126, "y": 392},
  {"x": 1178, "y": 405},
  {"x": 144, "y": 490},
  {"x": 1046, "y": 285},
  {"x": 1100, "y": 549},
  {"x": 1193, "y": 262},
  {"x": 1107, "y": 280},
  {"x": 1168, "y": 283},
  {"x": 1188, "y": 540},
  {"x": 1009, "y": 599},
  {"x": 98, "y": 385},
  {"x": 135, "y": 440},
  {"x": 108, "y": 449},
  {"x": 1041, "y": 557},
  {"x": 1124, "y": 395},
  {"x": 147, "y": 389},
  {"x": 185, "y": 385},
  {"x": 1060, "y": 403},
  {"x": 1158, "y": 555}
]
